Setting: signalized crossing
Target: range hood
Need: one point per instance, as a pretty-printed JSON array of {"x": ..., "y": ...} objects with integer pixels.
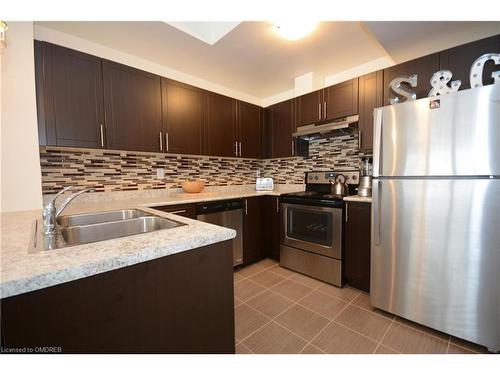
[{"x": 341, "y": 126}]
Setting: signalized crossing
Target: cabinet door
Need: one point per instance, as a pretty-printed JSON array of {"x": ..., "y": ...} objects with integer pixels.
[
  {"x": 459, "y": 60},
  {"x": 423, "y": 67},
  {"x": 182, "y": 116},
  {"x": 370, "y": 97},
  {"x": 281, "y": 128},
  {"x": 341, "y": 100},
  {"x": 249, "y": 129},
  {"x": 357, "y": 243},
  {"x": 132, "y": 102},
  {"x": 69, "y": 92},
  {"x": 220, "y": 125},
  {"x": 309, "y": 108},
  {"x": 252, "y": 234},
  {"x": 270, "y": 227}
]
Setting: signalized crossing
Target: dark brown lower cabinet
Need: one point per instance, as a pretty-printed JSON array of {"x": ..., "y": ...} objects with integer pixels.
[
  {"x": 271, "y": 227},
  {"x": 252, "y": 230},
  {"x": 357, "y": 244},
  {"x": 182, "y": 303}
]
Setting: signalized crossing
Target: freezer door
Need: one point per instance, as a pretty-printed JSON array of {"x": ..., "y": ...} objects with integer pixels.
[
  {"x": 436, "y": 254},
  {"x": 456, "y": 134}
]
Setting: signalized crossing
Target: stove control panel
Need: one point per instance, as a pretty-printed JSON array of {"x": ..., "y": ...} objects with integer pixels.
[{"x": 324, "y": 177}]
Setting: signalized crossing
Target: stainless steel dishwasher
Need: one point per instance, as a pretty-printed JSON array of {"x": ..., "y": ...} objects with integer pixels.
[{"x": 228, "y": 214}]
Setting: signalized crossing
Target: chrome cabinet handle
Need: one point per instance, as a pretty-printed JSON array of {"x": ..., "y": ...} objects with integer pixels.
[
  {"x": 166, "y": 140},
  {"x": 346, "y": 212},
  {"x": 277, "y": 204},
  {"x": 359, "y": 139},
  {"x": 102, "y": 135},
  {"x": 246, "y": 207},
  {"x": 240, "y": 148},
  {"x": 293, "y": 147},
  {"x": 324, "y": 109},
  {"x": 235, "y": 148},
  {"x": 319, "y": 111},
  {"x": 161, "y": 141}
]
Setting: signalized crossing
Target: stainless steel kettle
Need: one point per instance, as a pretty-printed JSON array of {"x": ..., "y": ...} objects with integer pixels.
[{"x": 339, "y": 187}]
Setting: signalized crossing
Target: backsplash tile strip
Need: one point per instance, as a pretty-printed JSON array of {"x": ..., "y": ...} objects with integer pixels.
[{"x": 108, "y": 170}]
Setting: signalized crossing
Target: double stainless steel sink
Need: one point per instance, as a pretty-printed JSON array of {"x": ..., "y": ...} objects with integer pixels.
[{"x": 105, "y": 225}]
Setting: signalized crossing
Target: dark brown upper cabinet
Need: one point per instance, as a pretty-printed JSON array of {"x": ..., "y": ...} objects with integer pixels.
[
  {"x": 132, "y": 101},
  {"x": 309, "y": 108},
  {"x": 182, "y": 117},
  {"x": 341, "y": 100},
  {"x": 423, "y": 67},
  {"x": 69, "y": 97},
  {"x": 220, "y": 125},
  {"x": 459, "y": 60},
  {"x": 280, "y": 129},
  {"x": 370, "y": 97},
  {"x": 330, "y": 103},
  {"x": 249, "y": 130}
]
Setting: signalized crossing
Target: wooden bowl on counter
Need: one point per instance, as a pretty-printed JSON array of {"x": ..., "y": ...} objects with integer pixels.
[{"x": 193, "y": 186}]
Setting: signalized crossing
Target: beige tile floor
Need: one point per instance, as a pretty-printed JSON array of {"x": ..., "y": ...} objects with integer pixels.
[{"x": 280, "y": 311}]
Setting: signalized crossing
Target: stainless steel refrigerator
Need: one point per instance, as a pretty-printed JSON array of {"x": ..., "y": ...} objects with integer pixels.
[{"x": 435, "y": 253}]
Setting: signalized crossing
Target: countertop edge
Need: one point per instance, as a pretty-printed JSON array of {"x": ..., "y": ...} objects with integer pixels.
[
  {"x": 16, "y": 287},
  {"x": 356, "y": 198}
]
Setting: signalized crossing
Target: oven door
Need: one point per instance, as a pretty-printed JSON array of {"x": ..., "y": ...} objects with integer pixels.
[{"x": 312, "y": 228}]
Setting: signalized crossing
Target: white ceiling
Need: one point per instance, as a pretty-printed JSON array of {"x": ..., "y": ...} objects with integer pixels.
[{"x": 252, "y": 59}]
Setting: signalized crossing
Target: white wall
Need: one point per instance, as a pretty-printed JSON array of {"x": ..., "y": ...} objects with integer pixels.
[{"x": 21, "y": 186}]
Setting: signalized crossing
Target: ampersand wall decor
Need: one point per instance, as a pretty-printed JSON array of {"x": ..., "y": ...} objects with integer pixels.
[{"x": 439, "y": 83}]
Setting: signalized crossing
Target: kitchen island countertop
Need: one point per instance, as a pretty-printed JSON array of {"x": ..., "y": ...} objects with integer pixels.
[{"x": 22, "y": 272}]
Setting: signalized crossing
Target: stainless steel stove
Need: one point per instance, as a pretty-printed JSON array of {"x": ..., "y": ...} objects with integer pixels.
[{"x": 312, "y": 227}]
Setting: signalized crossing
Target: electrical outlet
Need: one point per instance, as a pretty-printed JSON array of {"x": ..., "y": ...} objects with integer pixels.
[{"x": 160, "y": 173}]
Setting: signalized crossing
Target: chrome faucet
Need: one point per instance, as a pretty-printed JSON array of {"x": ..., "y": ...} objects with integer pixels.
[{"x": 50, "y": 214}]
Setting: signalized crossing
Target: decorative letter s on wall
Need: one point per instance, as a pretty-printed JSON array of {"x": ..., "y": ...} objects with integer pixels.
[{"x": 397, "y": 87}]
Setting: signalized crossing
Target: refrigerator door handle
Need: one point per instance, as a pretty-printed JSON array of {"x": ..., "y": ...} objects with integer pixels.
[
  {"x": 377, "y": 193},
  {"x": 377, "y": 142}
]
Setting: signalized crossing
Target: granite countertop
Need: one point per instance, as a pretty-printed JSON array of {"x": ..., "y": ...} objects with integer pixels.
[
  {"x": 357, "y": 198},
  {"x": 23, "y": 272},
  {"x": 93, "y": 202}
]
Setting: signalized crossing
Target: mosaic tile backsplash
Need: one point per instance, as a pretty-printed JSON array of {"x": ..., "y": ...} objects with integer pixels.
[{"x": 107, "y": 170}]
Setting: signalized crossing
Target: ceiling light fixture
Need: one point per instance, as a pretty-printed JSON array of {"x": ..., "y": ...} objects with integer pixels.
[{"x": 294, "y": 30}]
